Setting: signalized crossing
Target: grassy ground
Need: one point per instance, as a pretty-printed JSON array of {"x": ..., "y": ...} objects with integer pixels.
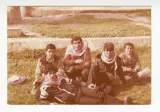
[
  {"x": 24, "y": 63},
  {"x": 88, "y": 26}
]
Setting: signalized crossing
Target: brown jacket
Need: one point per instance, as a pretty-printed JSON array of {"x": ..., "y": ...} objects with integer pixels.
[
  {"x": 42, "y": 62},
  {"x": 40, "y": 70},
  {"x": 103, "y": 67},
  {"x": 69, "y": 60},
  {"x": 132, "y": 62}
]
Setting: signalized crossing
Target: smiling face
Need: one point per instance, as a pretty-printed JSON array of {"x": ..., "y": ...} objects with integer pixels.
[
  {"x": 129, "y": 50},
  {"x": 77, "y": 45},
  {"x": 50, "y": 53}
]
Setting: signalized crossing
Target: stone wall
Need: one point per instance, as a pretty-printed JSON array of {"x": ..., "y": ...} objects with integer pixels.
[{"x": 17, "y": 44}]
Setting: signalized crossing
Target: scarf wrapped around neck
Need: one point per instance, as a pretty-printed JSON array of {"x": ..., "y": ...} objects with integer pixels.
[
  {"x": 106, "y": 60},
  {"x": 109, "y": 61},
  {"x": 70, "y": 50}
]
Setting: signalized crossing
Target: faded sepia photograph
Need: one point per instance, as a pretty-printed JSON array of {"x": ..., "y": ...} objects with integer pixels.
[{"x": 70, "y": 55}]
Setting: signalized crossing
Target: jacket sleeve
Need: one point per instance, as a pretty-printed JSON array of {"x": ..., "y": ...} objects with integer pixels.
[
  {"x": 59, "y": 64},
  {"x": 38, "y": 73},
  {"x": 138, "y": 65},
  {"x": 67, "y": 61},
  {"x": 87, "y": 61},
  {"x": 124, "y": 68},
  {"x": 120, "y": 71}
]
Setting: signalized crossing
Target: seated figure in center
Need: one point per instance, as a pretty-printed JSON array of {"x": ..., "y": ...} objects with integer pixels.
[{"x": 77, "y": 59}]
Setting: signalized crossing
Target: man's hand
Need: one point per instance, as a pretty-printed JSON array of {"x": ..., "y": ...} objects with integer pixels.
[
  {"x": 78, "y": 61},
  {"x": 129, "y": 70},
  {"x": 71, "y": 69},
  {"x": 60, "y": 72},
  {"x": 137, "y": 69},
  {"x": 79, "y": 78},
  {"x": 92, "y": 86}
]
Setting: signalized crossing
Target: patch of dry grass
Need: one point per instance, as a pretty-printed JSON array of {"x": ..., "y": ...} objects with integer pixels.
[
  {"x": 88, "y": 26},
  {"x": 24, "y": 63}
]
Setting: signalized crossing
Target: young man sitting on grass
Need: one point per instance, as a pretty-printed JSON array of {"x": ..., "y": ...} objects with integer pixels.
[
  {"x": 51, "y": 85},
  {"x": 107, "y": 69},
  {"x": 131, "y": 64},
  {"x": 57, "y": 88},
  {"x": 49, "y": 58},
  {"x": 77, "y": 59}
]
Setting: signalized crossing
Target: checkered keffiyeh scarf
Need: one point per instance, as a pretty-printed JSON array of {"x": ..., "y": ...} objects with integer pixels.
[{"x": 70, "y": 50}]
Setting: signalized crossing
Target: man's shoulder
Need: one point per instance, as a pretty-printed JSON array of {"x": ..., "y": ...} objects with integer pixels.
[
  {"x": 42, "y": 58},
  {"x": 88, "y": 49},
  {"x": 98, "y": 56},
  {"x": 122, "y": 54},
  {"x": 119, "y": 60}
]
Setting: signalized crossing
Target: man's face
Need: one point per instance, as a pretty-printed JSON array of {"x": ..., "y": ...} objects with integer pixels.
[
  {"x": 50, "y": 53},
  {"x": 129, "y": 49},
  {"x": 77, "y": 44},
  {"x": 109, "y": 54},
  {"x": 52, "y": 76}
]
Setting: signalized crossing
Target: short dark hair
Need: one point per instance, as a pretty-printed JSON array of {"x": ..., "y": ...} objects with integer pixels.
[
  {"x": 108, "y": 46},
  {"x": 128, "y": 44},
  {"x": 50, "y": 46},
  {"x": 75, "y": 38}
]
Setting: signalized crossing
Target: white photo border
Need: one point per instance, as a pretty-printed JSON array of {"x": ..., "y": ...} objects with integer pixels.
[{"x": 155, "y": 4}]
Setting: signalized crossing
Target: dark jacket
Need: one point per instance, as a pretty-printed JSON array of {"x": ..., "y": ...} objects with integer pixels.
[
  {"x": 64, "y": 93},
  {"x": 110, "y": 68},
  {"x": 40, "y": 69},
  {"x": 69, "y": 60}
]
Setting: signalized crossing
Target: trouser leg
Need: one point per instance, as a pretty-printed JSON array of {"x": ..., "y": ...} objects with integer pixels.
[
  {"x": 100, "y": 96},
  {"x": 89, "y": 101},
  {"x": 92, "y": 93},
  {"x": 74, "y": 74},
  {"x": 132, "y": 76},
  {"x": 92, "y": 75},
  {"x": 84, "y": 75},
  {"x": 78, "y": 96},
  {"x": 110, "y": 100},
  {"x": 97, "y": 77},
  {"x": 81, "y": 99}
]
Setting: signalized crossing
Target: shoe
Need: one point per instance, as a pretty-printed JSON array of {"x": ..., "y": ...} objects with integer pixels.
[
  {"x": 44, "y": 94},
  {"x": 128, "y": 100}
]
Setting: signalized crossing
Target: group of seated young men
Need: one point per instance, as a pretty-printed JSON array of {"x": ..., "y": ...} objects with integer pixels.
[{"x": 74, "y": 79}]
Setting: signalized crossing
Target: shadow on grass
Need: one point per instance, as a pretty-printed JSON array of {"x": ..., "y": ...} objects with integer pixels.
[{"x": 129, "y": 85}]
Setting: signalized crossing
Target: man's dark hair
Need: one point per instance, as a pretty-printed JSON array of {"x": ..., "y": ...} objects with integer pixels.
[
  {"x": 128, "y": 44},
  {"x": 108, "y": 46},
  {"x": 50, "y": 46},
  {"x": 75, "y": 38}
]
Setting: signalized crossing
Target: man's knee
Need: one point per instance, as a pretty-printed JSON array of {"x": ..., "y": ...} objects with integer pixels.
[
  {"x": 85, "y": 74},
  {"x": 93, "y": 67},
  {"x": 92, "y": 74}
]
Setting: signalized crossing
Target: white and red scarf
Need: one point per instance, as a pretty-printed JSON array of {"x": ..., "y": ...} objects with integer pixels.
[
  {"x": 106, "y": 60},
  {"x": 109, "y": 61},
  {"x": 70, "y": 50}
]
